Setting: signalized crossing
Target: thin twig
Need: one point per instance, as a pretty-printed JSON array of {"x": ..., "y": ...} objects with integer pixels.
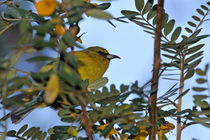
[
  {"x": 188, "y": 124},
  {"x": 19, "y": 70},
  {"x": 6, "y": 28}
]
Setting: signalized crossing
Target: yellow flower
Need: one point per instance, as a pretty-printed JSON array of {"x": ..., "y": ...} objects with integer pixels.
[
  {"x": 60, "y": 30},
  {"x": 143, "y": 133},
  {"x": 111, "y": 132},
  {"x": 45, "y": 7},
  {"x": 164, "y": 128}
]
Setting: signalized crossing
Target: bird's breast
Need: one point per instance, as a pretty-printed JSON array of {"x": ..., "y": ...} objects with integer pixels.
[{"x": 91, "y": 66}]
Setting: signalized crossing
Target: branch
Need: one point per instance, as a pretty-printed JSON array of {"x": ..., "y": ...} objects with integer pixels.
[
  {"x": 188, "y": 124},
  {"x": 6, "y": 28},
  {"x": 156, "y": 70},
  {"x": 86, "y": 123}
]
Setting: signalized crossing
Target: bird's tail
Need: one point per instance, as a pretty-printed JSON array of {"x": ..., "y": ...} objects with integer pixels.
[{"x": 19, "y": 112}]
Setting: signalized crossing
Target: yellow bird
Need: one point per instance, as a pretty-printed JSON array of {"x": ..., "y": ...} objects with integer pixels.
[{"x": 93, "y": 63}]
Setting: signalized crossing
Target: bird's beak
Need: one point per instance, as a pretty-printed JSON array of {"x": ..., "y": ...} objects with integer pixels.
[{"x": 112, "y": 56}]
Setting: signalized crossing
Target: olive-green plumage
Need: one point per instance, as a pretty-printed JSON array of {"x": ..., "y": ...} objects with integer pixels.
[{"x": 93, "y": 63}]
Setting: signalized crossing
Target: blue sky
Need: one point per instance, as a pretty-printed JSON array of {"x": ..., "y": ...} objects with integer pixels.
[{"x": 135, "y": 47}]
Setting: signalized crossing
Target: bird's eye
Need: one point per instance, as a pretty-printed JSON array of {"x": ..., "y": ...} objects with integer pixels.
[{"x": 100, "y": 52}]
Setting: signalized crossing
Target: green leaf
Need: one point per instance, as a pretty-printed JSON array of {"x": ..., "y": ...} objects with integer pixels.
[
  {"x": 208, "y": 3},
  {"x": 40, "y": 76},
  {"x": 22, "y": 129},
  {"x": 193, "y": 57},
  {"x": 60, "y": 136},
  {"x": 103, "y": 6},
  {"x": 69, "y": 75},
  {"x": 24, "y": 26},
  {"x": 200, "y": 101},
  {"x": 15, "y": 57},
  {"x": 134, "y": 130},
  {"x": 123, "y": 88},
  {"x": 201, "y": 80},
  {"x": 176, "y": 34},
  {"x": 152, "y": 33},
  {"x": 196, "y": 18},
  {"x": 191, "y": 24},
  {"x": 35, "y": 133},
  {"x": 40, "y": 58},
  {"x": 193, "y": 64},
  {"x": 98, "y": 83},
  {"x": 42, "y": 136},
  {"x": 194, "y": 49},
  {"x": 144, "y": 25},
  {"x": 11, "y": 133},
  {"x": 151, "y": 14},
  {"x": 200, "y": 72},
  {"x": 96, "y": 13},
  {"x": 171, "y": 57},
  {"x": 189, "y": 74},
  {"x": 183, "y": 94},
  {"x": 30, "y": 130},
  {"x": 168, "y": 50},
  {"x": 69, "y": 40},
  {"x": 169, "y": 27},
  {"x": 188, "y": 30},
  {"x": 195, "y": 39},
  {"x": 201, "y": 120},
  {"x": 199, "y": 89},
  {"x": 147, "y": 7},
  {"x": 154, "y": 21},
  {"x": 184, "y": 111},
  {"x": 204, "y": 7},
  {"x": 206, "y": 68},
  {"x": 129, "y": 13},
  {"x": 19, "y": 13},
  {"x": 139, "y": 4},
  {"x": 200, "y": 12},
  {"x": 195, "y": 34},
  {"x": 165, "y": 19},
  {"x": 33, "y": 130}
]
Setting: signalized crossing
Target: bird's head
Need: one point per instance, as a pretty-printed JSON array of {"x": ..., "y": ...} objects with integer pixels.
[{"x": 103, "y": 52}]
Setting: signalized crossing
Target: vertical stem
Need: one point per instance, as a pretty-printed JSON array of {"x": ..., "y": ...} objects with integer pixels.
[
  {"x": 86, "y": 124},
  {"x": 156, "y": 69},
  {"x": 179, "y": 105}
]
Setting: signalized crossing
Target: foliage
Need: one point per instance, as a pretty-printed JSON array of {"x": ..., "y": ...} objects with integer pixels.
[
  {"x": 109, "y": 111},
  {"x": 183, "y": 52}
]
